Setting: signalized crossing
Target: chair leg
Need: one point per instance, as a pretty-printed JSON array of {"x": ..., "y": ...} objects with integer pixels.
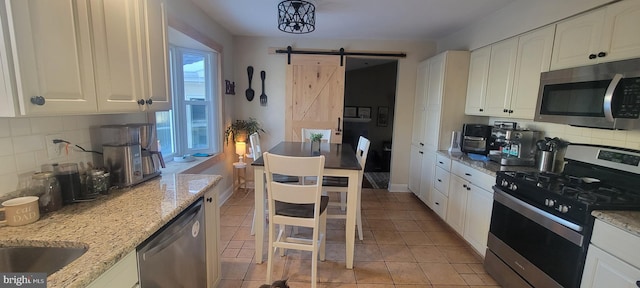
[
  {"x": 271, "y": 252},
  {"x": 323, "y": 234},
  {"x": 282, "y": 234},
  {"x": 343, "y": 201},
  {"x": 314, "y": 269}
]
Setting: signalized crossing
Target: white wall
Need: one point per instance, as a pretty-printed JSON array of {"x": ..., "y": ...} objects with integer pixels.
[
  {"x": 515, "y": 18},
  {"x": 254, "y": 51}
]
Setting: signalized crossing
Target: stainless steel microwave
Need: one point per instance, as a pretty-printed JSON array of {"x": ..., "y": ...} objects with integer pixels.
[{"x": 605, "y": 95}]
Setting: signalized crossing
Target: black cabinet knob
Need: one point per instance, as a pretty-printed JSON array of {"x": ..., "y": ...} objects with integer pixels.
[
  {"x": 421, "y": 152},
  {"x": 481, "y": 109},
  {"x": 468, "y": 188},
  {"x": 464, "y": 185},
  {"x": 141, "y": 102},
  {"x": 592, "y": 56},
  {"x": 505, "y": 110},
  {"x": 602, "y": 54},
  {"x": 638, "y": 283},
  {"x": 439, "y": 180},
  {"x": 209, "y": 199},
  {"x": 510, "y": 111},
  {"x": 37, "y": 100},
  {"x": 149, "y": 101},
  {"x": 468, "y": 174},
  {"x": 437, "y": 203}
]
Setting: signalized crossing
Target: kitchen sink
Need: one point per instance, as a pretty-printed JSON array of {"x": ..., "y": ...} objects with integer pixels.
[{"x": 37, "y": 259}]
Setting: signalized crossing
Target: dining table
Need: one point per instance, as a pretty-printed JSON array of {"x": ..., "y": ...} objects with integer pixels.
[{"x": 340, "y": 161}]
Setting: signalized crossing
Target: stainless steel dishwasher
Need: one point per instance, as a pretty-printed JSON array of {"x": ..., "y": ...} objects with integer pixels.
[{"x": 175, "y": 255}]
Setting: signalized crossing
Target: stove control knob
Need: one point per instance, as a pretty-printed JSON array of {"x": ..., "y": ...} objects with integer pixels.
[
  {"x": 504, "y": 183},
  {"x": 513, "y": 187},
  {"x": 549, "y": 202},
  {"x": 563, "y": 208}
]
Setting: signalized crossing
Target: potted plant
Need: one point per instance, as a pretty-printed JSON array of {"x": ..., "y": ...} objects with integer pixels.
[
  {"x": 241, "y": 129},
  {"x": 315, "y": 138}
]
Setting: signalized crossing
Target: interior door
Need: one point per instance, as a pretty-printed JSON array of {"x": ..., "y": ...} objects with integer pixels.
[{"x": 314, "y": 95}]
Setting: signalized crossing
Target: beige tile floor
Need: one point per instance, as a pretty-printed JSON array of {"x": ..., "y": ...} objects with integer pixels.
[{"x": 405, "y": 245}]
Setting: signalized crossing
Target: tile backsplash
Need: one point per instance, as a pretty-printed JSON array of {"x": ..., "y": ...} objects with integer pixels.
[
  {"x": 23, "y": 149},
  {"x": 617, "y": 138}
]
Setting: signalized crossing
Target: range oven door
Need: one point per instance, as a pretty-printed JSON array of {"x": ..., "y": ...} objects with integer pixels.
[{"x": 532, "y": 245}]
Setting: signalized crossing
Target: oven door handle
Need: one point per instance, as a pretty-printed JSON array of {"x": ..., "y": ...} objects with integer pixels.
[
  {"x": 608, "y": 97},
  {"x": 564, "y": 228}
]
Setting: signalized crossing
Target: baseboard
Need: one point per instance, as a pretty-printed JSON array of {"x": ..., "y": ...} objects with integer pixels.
[{"x": 398, "y": 188}]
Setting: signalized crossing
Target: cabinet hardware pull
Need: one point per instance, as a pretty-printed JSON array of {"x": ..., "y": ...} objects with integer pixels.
[
  {"x": 421, "y": 152},
  {"x": 505, "y": 110},
  {"x": 468, "y": 188},
  {"x": 592, "y": 56},
  {"x": 468, "y": 174},
  {"x": 464, "y": 185},
  {"x": 440, "y": 162},
  {"x": 510, "y": 111},
  {"x": 481, "y": 109},
  {"x": 421, "y": 144},
  {"x": 141, "y": 102},
  {"x": 338, "y": 130},
  {"x": 437, "y": 203},
  {"x": 149, "y": 101},
  {"x": 602, "y": 54},
  {"x": 638, "y": 283},
  {"x": 37, "y": 100},
  {"x": 209, "y": 199},
  {"x": 439, "y": 180}
]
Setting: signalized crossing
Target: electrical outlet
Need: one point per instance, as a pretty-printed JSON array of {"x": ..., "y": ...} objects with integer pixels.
[{"x": 54, "y": 150}]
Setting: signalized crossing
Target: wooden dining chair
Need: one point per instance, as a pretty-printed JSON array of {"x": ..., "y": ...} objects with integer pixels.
[
  {"x": 296, "y": 204},
  {"x": 254, "y": 140},
  {"x": 339, "y": 184},
  {"x": 306, "y": 134}
]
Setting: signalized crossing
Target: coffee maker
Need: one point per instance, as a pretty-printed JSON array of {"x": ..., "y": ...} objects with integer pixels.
[
  {"x": 127, "y": 153},
  {"x": 516, "y": 147}
]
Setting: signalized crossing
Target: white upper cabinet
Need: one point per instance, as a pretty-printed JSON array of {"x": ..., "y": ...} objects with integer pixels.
[
  {"x": 604, "y": 35},
  {"x": 477, "y": 83},
  {"x": 131, "y": 55},
  {"x": 52, "y": 56},
  {"x": 534, "y": 57},
  {"x": 504, "y": 77},
  {"x": 83, "y": 57},
  {"x": 502, "y": 65}
]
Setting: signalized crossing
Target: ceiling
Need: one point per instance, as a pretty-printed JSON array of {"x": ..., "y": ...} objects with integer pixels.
[{"x": 417, "y": 20}]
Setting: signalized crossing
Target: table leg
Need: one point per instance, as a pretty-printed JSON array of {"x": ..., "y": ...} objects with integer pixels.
[
  {"x": 352, "y": 203},
  {"x": 258, "y": 219}
]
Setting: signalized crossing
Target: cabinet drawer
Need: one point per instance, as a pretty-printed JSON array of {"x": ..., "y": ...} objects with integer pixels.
[
  {"x": 441, "y": 181},
  {"x": 480, "y": 179},
  {"x": 439, "y": 203},
  {"x": 617, "y": 242},
  {"x": 443, "y": 162}
]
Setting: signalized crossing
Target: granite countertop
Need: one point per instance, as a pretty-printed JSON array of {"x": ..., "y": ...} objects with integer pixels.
[
  {"x": 626, "y": 220},
  {"x": 111, "y": 226},
  {"x": 488, "y": 167}
]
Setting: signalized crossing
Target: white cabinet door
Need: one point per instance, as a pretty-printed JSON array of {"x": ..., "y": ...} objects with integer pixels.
[
  {"x": 602, "y": 269},
  {"x": 441, "y": 179},
  {"x": 422, "y": 76},
  {"x": 53, "y": 57},
  {"x": 415, "y": 169},
  {"x": 157, "y": 93},
  {"x": 8, "y": 103},
  {"x": 502, "y": 66},
  {"x": 122, "y": 274},
  {"x": 436, "y": 80},
  {"x": 426, "y": 181},
  {"x": 478, "y": 217},
  {"x": 116, "y": 26},
  {"x": 438, "y": 203},
  {"x": 534, "y": 57},
  {"x": 457, "y": 203},
  {"x": 477, "y": 84},
  {"x": 212, "y": 236},
  {"x": 432, "y": 129},
  {"x": 620, "y": 37},
  {"x": 577, "y": 40}
]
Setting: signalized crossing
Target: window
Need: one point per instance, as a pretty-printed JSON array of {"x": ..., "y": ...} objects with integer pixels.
[{"x": 189, "y": 127}]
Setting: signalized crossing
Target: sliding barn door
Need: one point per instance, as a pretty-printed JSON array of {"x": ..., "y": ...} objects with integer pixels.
[{"x": 314, "y": 95}]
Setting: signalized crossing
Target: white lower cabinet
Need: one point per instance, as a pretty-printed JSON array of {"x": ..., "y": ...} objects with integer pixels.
[
  {"x": 613, "y": 258},
  {"x": 426, "y": 179},
  {"x": 457, "y": 203},
  {"x": 122, "y": 274},
  {"x": 415, "y": 170},
  {"x": 478, "y": 217},
  {"x": 438, "y": 203},
  {"x": 212, "y": 236}
]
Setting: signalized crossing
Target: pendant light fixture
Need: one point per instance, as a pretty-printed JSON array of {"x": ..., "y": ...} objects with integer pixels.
[{"x": 296, "y": 16}]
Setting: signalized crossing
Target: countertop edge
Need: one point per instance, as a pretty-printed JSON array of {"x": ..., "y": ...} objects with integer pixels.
[{"x": 628, "y": 221}]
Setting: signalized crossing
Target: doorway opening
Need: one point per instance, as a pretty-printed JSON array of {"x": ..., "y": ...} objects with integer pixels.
[{"x": 369, "y": 103}]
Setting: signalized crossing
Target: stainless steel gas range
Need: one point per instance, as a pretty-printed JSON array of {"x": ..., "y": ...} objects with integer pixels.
[{"x": 541, "y": 222}]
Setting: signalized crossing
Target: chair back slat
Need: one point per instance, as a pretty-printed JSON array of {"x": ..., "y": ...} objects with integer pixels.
[
  {"x": 362, "y": 151},
  {"x": 294, "y": 193}
]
